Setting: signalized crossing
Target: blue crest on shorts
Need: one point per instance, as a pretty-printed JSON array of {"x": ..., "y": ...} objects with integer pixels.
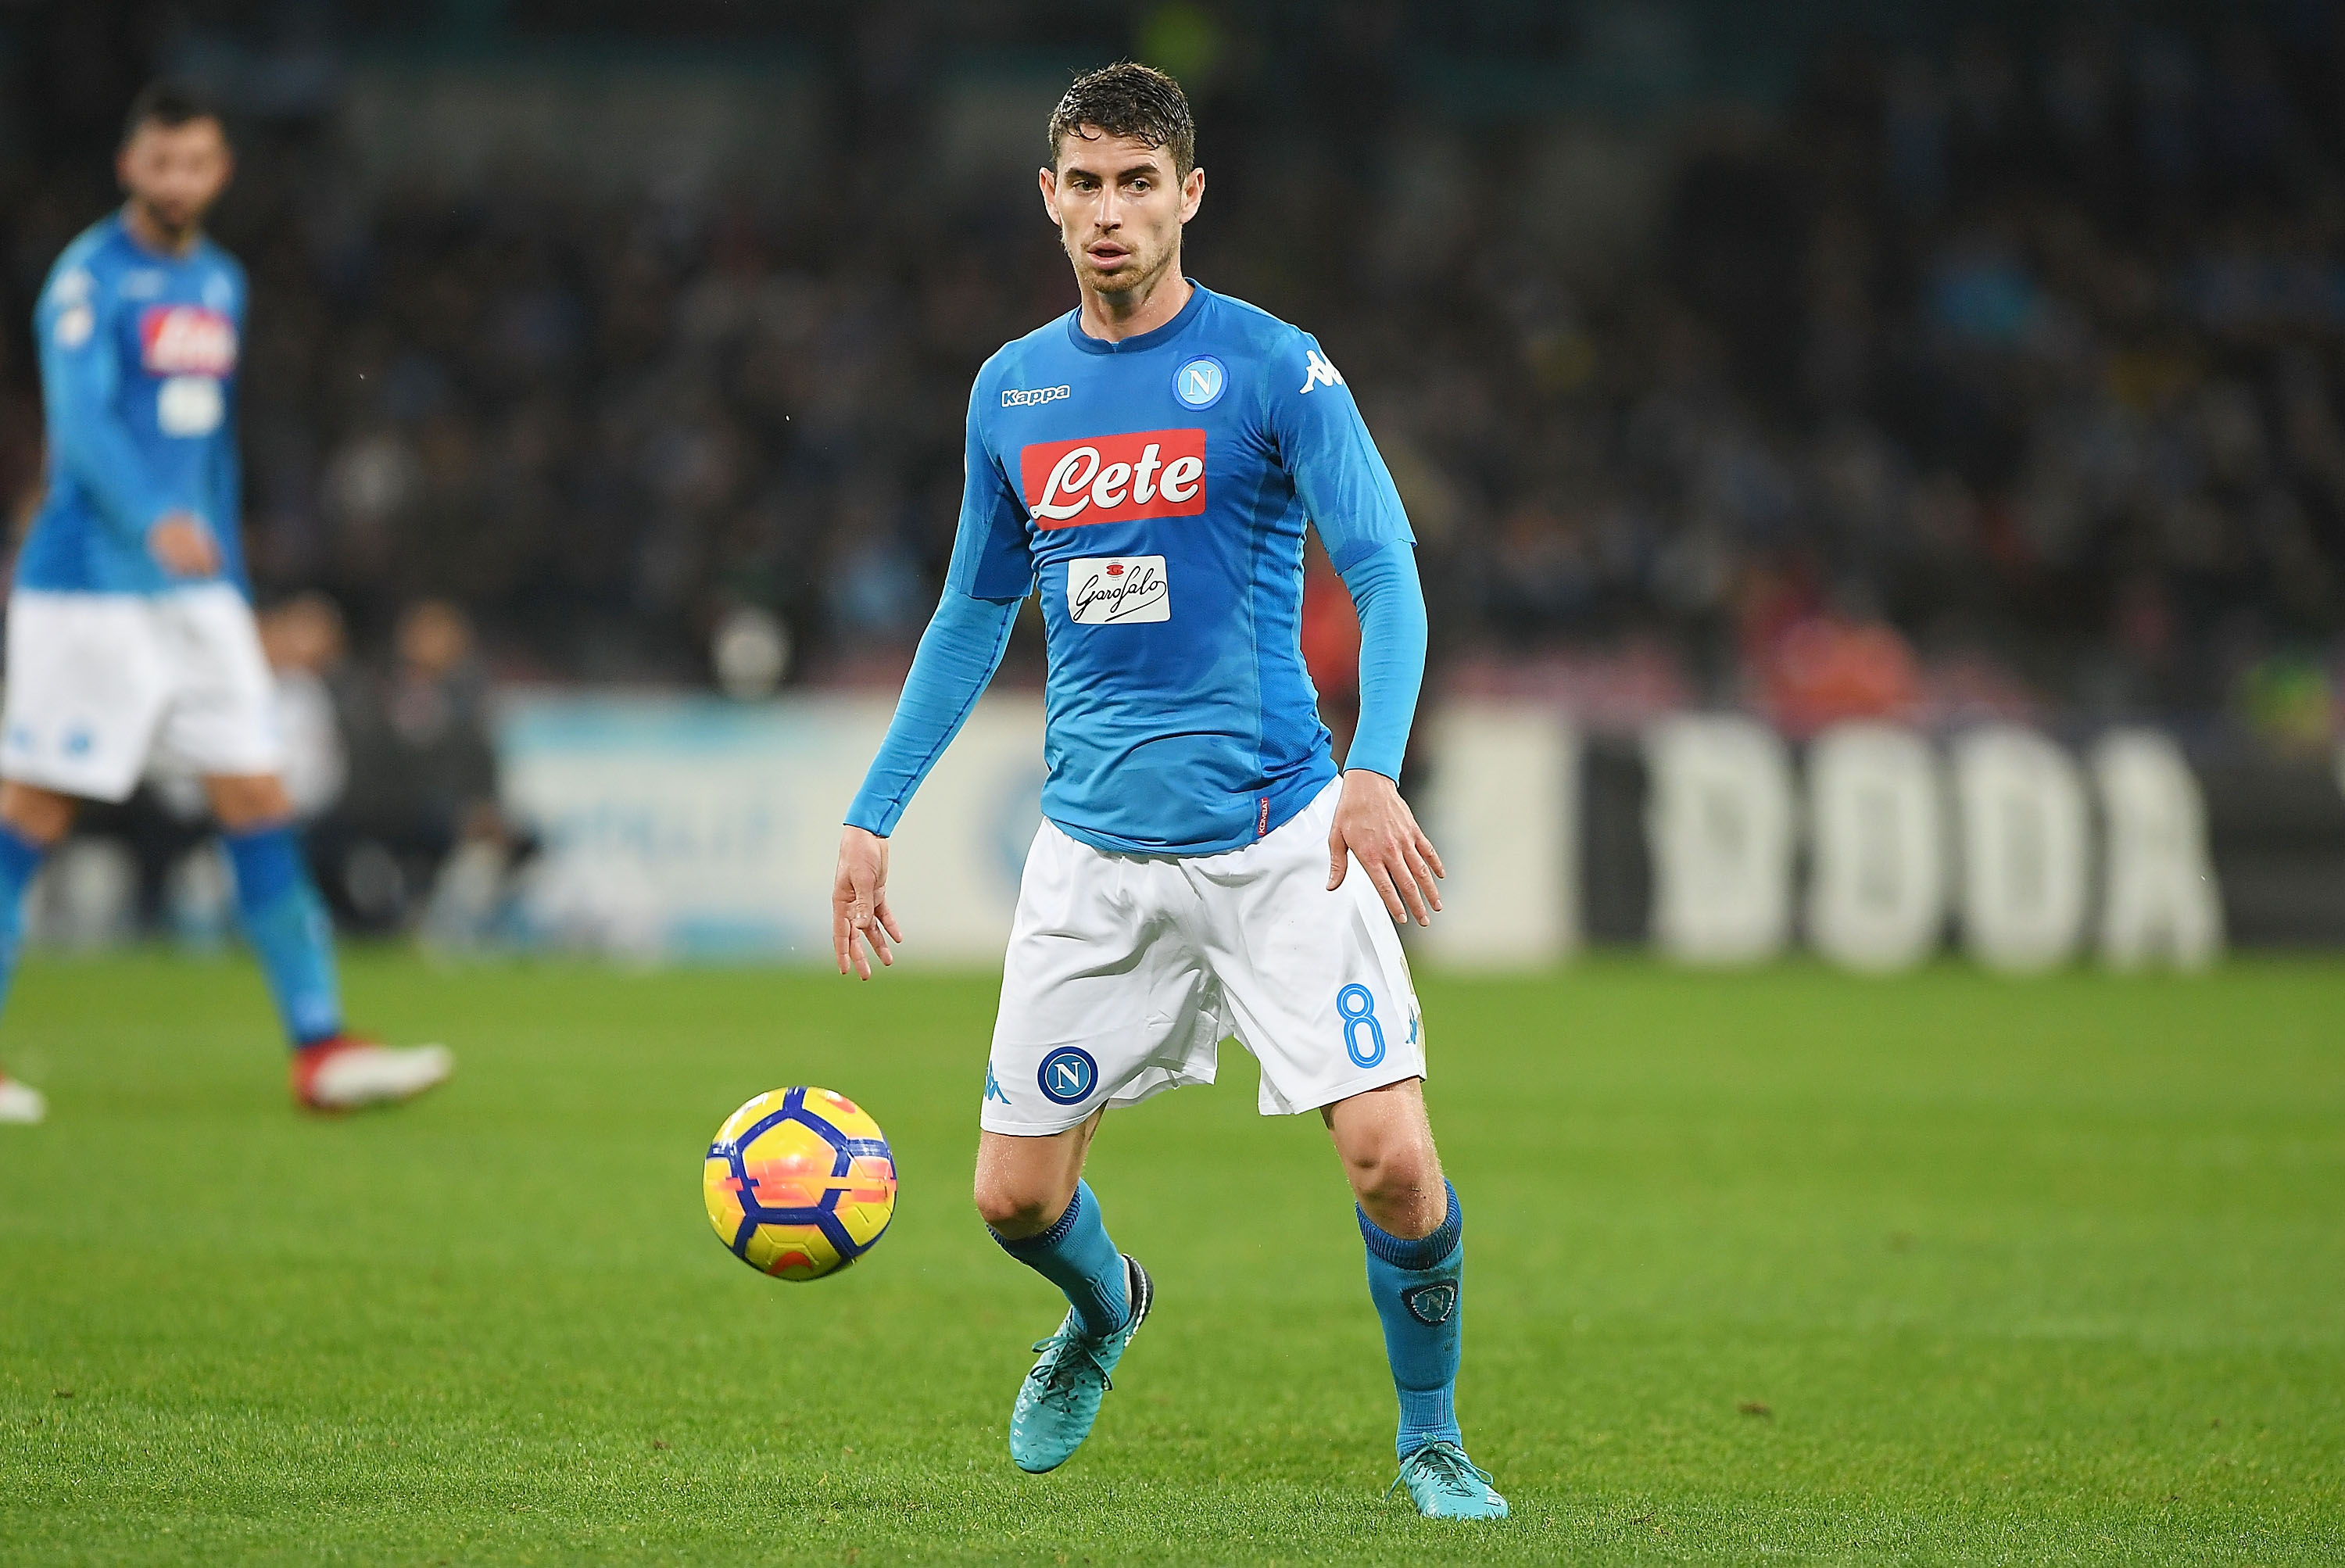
[
  {"x": 1201, "y": 382},
  {"x": 1068, "y": 1076}
]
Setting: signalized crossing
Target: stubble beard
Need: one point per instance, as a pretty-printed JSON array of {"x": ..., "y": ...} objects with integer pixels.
[
  {"x": 177, "y": 228},
  {"x": 1131, "y": 282}
]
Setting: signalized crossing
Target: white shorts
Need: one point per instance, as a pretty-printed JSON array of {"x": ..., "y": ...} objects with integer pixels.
[
  {"x": 104, "y": 687},
  {"x": 1125, "y": 972}
]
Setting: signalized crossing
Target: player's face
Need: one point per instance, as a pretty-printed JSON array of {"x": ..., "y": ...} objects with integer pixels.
[
  {"x": 1119, "y": 207},
  {"x": 176, "y": 172}
]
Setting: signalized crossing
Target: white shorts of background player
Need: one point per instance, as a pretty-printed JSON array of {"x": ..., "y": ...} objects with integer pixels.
[
  {"x": 1125, "y": 972},
  {"x": 106, "y": 687}
]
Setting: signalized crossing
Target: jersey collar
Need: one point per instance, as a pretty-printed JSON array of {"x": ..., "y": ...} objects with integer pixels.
[
  {"x": 1153, "y": 338},
  {"x": 140, "y": 247}
]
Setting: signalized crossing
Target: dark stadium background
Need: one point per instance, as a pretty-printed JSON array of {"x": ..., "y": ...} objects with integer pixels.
[{"x": 1825, "y": 359}]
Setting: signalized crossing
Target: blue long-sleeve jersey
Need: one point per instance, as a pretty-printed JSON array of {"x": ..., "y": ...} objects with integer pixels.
[
  {"x": 138, "y": 360},
  {"x": 1156, "y": 491}
]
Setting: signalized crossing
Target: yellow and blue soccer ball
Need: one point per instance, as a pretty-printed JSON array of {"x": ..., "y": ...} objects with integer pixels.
[{"x": 799, "y": 1183}]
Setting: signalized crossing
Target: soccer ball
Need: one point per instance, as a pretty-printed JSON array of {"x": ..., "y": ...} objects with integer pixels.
[{"x": 799, "y": 1183}]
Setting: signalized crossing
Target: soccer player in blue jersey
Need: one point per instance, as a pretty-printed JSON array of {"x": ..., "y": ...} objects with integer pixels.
[
  {"x": 130, "y": 637},
  {"x": 1148, "y": 463}
]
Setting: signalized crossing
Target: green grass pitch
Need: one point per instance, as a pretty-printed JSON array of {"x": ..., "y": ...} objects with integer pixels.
[{"x": 1782, "y": 1264}]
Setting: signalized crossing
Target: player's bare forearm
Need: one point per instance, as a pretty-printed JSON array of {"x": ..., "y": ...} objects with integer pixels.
[
  {"x": 862, "y": 926},
  {"x": 1375, "y": 827}
]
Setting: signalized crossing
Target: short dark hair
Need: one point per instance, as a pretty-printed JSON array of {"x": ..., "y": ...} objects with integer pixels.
[
  {"x": 166, "y": 104},
  {"x": 1129, "y": 99}
]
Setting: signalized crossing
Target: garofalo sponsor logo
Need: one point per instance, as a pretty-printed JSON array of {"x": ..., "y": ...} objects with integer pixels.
[
  {"x": 1118, "y": 589},
  {"x": 1013, "y": 397}
]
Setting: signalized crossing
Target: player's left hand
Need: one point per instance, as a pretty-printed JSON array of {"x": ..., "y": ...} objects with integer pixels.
[
  {"x": 1375, "y": 827},
  {"x": 184, "y": 545}
]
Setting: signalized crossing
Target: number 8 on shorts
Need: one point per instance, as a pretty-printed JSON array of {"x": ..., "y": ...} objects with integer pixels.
[{"x": 1357, "y": 1004}]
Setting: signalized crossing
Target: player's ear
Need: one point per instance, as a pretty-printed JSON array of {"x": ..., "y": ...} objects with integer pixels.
[
  {"x": 1050, "y": 180},
  {"x": 1193, "y": 192}
]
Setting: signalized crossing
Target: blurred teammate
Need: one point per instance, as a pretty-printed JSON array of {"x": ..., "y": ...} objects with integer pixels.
[
  {"x": 1149, "y": 463},
  {"x": 130, "y": 639}
]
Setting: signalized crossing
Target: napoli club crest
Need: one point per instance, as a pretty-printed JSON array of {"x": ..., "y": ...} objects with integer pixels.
[
  {"x": 1199, "y": 382},
  {"x": 1068, "y": 1076},
  {"x": 1431, "y": 1304}
]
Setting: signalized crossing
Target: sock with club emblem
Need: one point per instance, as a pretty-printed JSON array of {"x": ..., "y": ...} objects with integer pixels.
[
  {"x": 20, "y": 861},
  {"x": 1417, "y": 1285},
  {"x": 287, "y": 923}
]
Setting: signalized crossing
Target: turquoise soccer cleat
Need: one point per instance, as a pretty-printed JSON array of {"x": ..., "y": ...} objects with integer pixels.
[
  {"x": 1443, "y": 1484},
  {"x": 1060, "y": 1398}
]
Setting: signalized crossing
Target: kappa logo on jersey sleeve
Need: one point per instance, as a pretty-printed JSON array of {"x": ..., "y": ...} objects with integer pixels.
[
  {"x": 1319, "y": 371},
  {"x": 186, "y": 340},
  {"x": 1114, "y": 478}
]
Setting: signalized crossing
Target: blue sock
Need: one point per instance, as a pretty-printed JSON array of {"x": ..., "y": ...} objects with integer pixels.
[
  {"x": 1076, "y": 1256},
  {"x": 286, "y": 922},
  {"x": 1418, "y": 1288},
  {"x": 20, "y": 858}
]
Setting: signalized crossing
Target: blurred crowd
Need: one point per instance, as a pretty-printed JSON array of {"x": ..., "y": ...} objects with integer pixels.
[
  {"x": 2038, "y": 378},
  {"x": 392, "y": 773},
  {"x": 2002, "y": 376}
]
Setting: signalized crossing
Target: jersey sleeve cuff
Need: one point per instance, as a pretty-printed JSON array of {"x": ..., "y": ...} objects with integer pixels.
[{"x": 876, "y": 818}]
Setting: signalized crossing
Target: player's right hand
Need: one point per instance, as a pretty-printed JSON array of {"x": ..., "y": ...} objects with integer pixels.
[
  {"x": 858, "y": 903},
  {"x": 184, "y": 545}
]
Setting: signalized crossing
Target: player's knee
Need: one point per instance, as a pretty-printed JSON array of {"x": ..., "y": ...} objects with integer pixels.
[
  {"x": 1399, "y": 1184},
  {"x": 1015, "y": 1211},
  {"x": 252, "y": 800},
  {"x": 43, "y": 816}
]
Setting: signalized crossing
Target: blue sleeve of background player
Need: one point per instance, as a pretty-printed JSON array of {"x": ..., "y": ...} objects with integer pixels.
[
  {"x": 1349, "y": 497},
  {"x": 224, "y": 509},
  {"x": 227, "y": 508},
  {"x": 81, "y": 375},
  {"x": 991, "y": 573}
]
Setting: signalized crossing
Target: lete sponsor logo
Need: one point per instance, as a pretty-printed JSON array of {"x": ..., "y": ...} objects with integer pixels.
[
  {"x": 1114, "y": 478},
  {"x": 186, "y": 340},
  {"x": 1118, "y": 589}
]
